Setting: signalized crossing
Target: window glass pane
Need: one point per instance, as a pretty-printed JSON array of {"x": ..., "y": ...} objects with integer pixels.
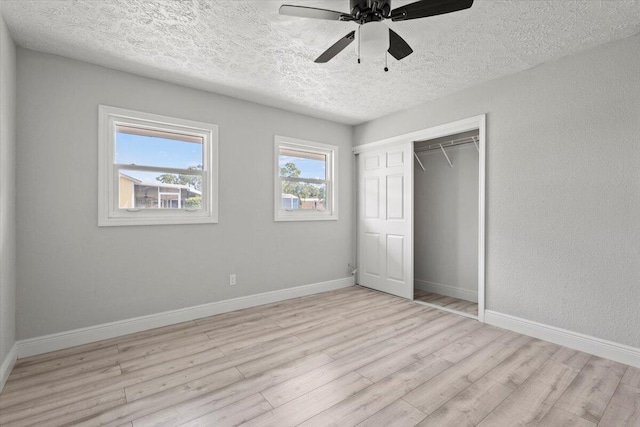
[
  {"x": 304, "y": 196},
  {"x": 302, "y": 164},
  {"x": 157, "y": 190},
  {"x": 136, "y": 146}
]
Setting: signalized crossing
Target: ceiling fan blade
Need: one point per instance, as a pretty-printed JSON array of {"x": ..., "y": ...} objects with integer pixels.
[
  {"x": 425, "y": 8},
  {"x": 336, "y": 48},
  {"x": 398, "y": 48},
  {"x": 313, "y": 12}
]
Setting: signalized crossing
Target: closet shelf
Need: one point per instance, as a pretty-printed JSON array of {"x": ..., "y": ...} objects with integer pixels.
[
  {"x": 449, "y": 144},
  {"x": 442, "y": 145}
]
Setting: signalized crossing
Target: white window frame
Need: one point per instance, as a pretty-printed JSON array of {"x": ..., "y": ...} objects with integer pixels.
[
  {"x": 331, "y": 151},
  {"x": 109, "y": 212}
]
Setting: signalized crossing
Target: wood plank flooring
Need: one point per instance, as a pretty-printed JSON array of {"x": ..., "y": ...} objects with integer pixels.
[
  {"x": 350, "y": 357},
  {"x": 446, "y": 302}
]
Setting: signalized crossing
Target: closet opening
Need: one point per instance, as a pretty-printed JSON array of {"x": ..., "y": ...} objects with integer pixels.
[
  {"x": 446, "y": 222},
  {"x": 421, "y": 216}
]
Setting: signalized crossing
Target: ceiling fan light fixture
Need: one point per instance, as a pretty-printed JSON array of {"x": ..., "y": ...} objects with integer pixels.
[{"x": 372, "y": 39}]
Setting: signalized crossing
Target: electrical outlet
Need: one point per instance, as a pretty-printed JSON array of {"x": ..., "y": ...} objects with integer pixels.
[{"x": 232, "y": 279}]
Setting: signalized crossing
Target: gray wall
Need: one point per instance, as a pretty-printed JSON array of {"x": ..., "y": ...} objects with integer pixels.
[
  {"x": 563, "y": 187},
  {"x": 7, "y": 192},
  {"x": 73, "y": 274},
  {"x": 446, "y": 220}
]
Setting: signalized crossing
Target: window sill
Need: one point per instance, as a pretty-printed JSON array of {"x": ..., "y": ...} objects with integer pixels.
[
  {"x": 126, "y": 221},
  {"x": 298, "y": 217}
]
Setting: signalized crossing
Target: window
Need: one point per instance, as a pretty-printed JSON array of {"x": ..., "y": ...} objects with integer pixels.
[
  {"x": 306, "y": 180},
  {"x": 156, "y": 170}
]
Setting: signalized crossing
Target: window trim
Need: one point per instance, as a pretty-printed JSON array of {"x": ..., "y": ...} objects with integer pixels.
[
  {"x": 331, "y": 151},
  {"x": 109, "y": 213}
]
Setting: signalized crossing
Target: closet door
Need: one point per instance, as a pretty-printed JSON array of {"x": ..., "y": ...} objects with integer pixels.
[{"x": 385, "y": 227}]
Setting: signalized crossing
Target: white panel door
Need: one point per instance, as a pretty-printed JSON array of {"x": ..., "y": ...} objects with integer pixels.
[{"x": 385, "y": 227}]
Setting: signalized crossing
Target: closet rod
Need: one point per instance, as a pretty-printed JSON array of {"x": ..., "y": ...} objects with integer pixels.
[{"x": 452, "y": 143}]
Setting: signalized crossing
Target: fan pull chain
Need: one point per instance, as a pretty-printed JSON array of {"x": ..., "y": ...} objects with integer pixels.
[
  {"x": 386, "y": 63},
  {"x": 359, "y": 28}
]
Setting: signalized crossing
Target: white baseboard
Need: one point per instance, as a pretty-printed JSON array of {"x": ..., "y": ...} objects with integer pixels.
[
  {"x": 7, "y": 365},
  {"x": 446, "y": 290},
  {"x": 58, "y": 341},
  {"x": 588, "y": 344}
]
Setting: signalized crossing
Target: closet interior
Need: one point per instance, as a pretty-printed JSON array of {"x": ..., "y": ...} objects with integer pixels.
[{"x": 446, "y": 222}]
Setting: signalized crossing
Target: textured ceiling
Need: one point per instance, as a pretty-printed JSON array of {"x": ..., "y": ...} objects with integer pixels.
[{"x": 246, "y": 50}]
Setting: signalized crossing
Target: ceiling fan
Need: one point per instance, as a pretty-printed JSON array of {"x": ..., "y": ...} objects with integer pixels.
[{"x": 374, "y": 37}]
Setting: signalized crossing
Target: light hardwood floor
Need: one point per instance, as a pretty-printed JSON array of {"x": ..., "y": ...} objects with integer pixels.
[
  {"x": 345, "y": 358},
  {"x": 446, "y": 302}
]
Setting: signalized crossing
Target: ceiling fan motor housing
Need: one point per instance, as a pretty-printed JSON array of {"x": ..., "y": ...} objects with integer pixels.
[{"x": 370, "y": 10}]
